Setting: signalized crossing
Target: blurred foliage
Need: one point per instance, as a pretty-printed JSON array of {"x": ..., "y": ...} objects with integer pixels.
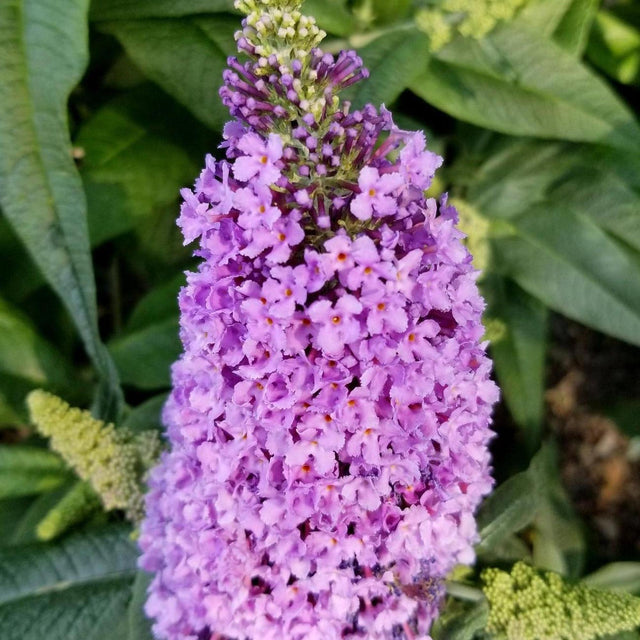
[{"x": 107, "y": 111}]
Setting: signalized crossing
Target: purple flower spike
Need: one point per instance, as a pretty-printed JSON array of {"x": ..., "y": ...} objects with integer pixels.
[{"x": 330, "y": 415}]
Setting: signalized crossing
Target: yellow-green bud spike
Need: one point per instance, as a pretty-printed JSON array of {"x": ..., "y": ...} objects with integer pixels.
[
  {"x": 74, "y": 507},
  {"x": 530, "y": 605},
  {"x": 113, "y": 461},
  {"x": 476, "y": 227},
  {"x": 249, "y": 6},
  {"x": 469, "y": 18}
]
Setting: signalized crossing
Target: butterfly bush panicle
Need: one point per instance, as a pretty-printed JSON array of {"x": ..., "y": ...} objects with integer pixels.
[{"x": 330, "y": 415}]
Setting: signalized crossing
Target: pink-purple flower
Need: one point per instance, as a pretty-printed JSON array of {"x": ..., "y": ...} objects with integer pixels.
[{"x": 329, "y": 419}]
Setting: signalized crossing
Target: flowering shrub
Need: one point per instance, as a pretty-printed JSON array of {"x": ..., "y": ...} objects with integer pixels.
[
  {"x": 326, "y": 429},
  {"x": 329, "y": 418}
]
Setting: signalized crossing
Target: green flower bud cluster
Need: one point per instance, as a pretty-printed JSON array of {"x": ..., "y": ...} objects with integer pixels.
[
  {"x": 469, "y": 18},
  {"x": 75, "y": 506},
  {"x": 276, "y": 28},
  {"x": 112, "y": 461},
  {"x": 530, "y": 605},
  {"x": 476, "y": 227}
]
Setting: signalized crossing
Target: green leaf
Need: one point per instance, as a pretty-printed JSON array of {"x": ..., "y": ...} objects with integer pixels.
[
  {"x": 144, "y": 358},
  {"x": 77, "y": 589},
  {"x": 159, "y": 304},
  {"x": 127, "y": 10},
  {"x": 389, "y": 11},
  {"x": 136, "y": 160},
  {"x": 24, "y": 528},
  {"x": 558, "y": 538},
  {"x": 43, "y": 48},
  {"x": 519, "y": 355},
  {"x": 517, "y": 82},
  {"x": 617, "y": 576},
  {"x": 510, "y": 508},
  {"x": 147, "y": 415},
  {"x": 331, "y": 15},
  {"x": 604, "y": 197},
  {"x": 84, "y": 558},
  {"x": 26, "y": 471},
  {"x": 573, "y": 31},
  {"x": 543, "y": 16},
  {"x": 574, "y": 267},
  {"x": 518, "y": 175},
  {"x": 184, "y": 56},
  {"x": 11, "y": 510},
  {"x": 24, "y": 354},
  {"x": 76, "y": 613},
  {"x": 139, "y": 626},
  {"x": 394, "y": 60},
  {"x": 465, "y": 625},
  {"x": 614, "y": 47}
]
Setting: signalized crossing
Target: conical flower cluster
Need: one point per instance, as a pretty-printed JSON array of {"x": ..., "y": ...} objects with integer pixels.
[{"x": 330, "y": 415}]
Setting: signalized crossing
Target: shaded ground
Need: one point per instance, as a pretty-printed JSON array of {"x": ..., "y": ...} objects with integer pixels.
[{"x": 594, "y": 408}]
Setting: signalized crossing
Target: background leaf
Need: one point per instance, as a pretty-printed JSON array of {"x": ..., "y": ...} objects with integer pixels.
[
  {"x": 26, "y": 471},
  {"x": 40, "y": 190},
  {"x": 135, "y": 159},
  {"x": 576, "y": 269},
  {"x": 614, "y": 47},
  {"x": 393, "y": 60},
  {"x": 144, "y": 358},
  {"x": 139, "y": 626},
  {"x": 26, "y": 355},
  {"x": 619, "y": 576},
  {"x": 184, "y": 56},
  {"x": 519, "y": 355},
  {"x": 517, "y": 82},
  {"x": 76, "y": 590},
  {"x": 572, "y": 33},
  {"x": 510, "y": 508},
  {"x": 126, "y": 10}
]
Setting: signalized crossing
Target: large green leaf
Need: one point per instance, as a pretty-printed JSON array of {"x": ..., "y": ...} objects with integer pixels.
[
  {"x": 26, "y": 471},
  {"x": 127, "y": 10},
  {"x": 464, "y": 625},
  {"x": 144, "y": 357},
  {"x": 510, "y": 508},
  {"x": 604, "y": 198},
  {"x": 519, "y": 355},
  {"x": 138, "y": 625},
  {"x": 43, "y": 53},
  {"x": 184, "y": 56},
  {"x": 331, "y": 15},
  {"x": 619, "y": 576},
  {"x": 543, "y": 15},
  {"x": 394, "y": 60},
  {"x": 24, "y": 354},
  {"x": 136, "y": 159},
  {"x": 147, "y": 415},
  {"x": 518, "y": 175},
  {"x": 573, "y": 31},
  {"x": 159, "y": 304},
  {"x": 77, "y": 589},
  {"x": 521, "y": 83},
  {"x": 614, "y": 46},
  {"x": 575, "y": 268},
  {"x": 558, "y": 538}
]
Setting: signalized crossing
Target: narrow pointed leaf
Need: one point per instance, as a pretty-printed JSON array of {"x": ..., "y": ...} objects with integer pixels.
[
  {"x": 394, "y": 60},
  {"x": 184, "y": 56},
  {"x": 40, "y": 189},
  {"x": 518, "y": 82},
  {"x": 575, "y": 268}
]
